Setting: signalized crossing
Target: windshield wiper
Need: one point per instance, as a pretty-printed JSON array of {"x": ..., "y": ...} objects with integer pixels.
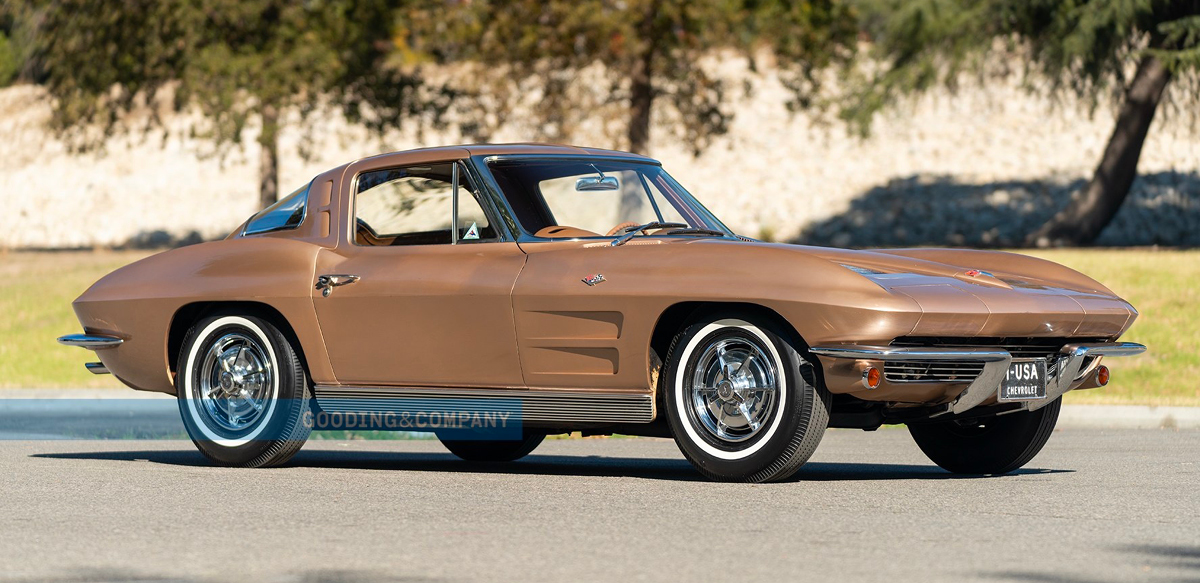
[
  {"x": 676, "y": 229},
  {"x": 632, "y": 232},
  {"x": 698, "y": 231}
]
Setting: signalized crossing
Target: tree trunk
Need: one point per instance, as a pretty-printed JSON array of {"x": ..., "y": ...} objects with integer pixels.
[
  {"x": 268, "y": 158},
  {"x": 641, "y": 86},
  {"x": 1082, "y": 220}
]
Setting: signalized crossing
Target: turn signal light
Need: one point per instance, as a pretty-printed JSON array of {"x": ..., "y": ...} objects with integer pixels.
[
  {"x": 1102, "y": 375},
  {"x": 871, "y": 378}
]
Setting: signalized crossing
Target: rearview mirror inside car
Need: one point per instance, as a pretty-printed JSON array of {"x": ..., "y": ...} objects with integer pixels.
[{"x": 593, "y": 183}]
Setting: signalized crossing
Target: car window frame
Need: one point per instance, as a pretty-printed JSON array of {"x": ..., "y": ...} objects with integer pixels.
[
  {"x": 483, "y": 162},
  {"x": 306, "y": 196},
  {"x": 502, "y": 234}
]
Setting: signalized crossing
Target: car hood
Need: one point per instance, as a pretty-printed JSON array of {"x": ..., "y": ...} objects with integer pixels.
[
  {"x": 971, "y": 293},
  {"x": 988, "y": 293},
  {"x": 904, "y": 267}
]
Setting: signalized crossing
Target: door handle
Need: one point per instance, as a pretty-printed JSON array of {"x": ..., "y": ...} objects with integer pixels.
[{"x": 326, "y": 283}]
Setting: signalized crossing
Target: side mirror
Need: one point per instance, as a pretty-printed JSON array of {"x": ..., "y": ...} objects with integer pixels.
[{"x": 595, "y": 183}]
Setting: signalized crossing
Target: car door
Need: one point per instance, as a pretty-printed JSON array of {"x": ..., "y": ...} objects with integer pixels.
[
  {"x": 583, "y": 310},
  {"x": 409, "y": 301}
]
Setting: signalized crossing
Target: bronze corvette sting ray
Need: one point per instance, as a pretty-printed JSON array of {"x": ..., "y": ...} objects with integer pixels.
[{"x": 586, "y": 290}]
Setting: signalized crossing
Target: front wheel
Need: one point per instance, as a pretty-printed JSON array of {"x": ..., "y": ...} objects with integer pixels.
[
  {"x": 242, "y": 392},
  {"x": 995, "y": 445},
  {"x": 742, "y": 402}
]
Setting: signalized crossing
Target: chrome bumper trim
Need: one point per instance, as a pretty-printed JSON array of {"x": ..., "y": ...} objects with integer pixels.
[
  {"x": 90, "y": 341},
  {"x": 96, "y": 368},
  {"x": 995, "y": 366},
  {"x": 1070, "y": 365},
  {"x": 996, "y": 361}
]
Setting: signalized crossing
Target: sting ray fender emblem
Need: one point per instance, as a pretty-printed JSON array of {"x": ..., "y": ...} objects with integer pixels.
[{"x": 593, "y": 279}]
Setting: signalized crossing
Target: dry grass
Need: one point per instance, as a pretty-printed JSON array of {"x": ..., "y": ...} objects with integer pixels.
[
  {"x": 36, "y": 291},
  {"x": 1164, "y": 285}
]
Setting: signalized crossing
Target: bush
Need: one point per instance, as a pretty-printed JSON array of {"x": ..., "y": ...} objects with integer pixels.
[{"x": 9, "y": 63}]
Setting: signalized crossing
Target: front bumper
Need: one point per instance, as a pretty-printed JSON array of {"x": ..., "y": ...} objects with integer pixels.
[
  {"x": 1074, "y": 363},
  {"x": 92, "y": 342}
]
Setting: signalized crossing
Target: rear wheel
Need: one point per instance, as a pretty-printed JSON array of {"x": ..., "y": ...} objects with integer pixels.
[
  {"x": 995, "y": 445},
  {"x": 493, "y": 450},
  {"x": 742, "y": 402},
  {"x": 242, "y": 392}
]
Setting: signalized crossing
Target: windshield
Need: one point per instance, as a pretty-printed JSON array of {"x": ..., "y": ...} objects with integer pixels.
[{"x": 595, "y": 197}]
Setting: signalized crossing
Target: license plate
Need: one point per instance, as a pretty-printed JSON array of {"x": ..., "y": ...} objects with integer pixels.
[{"x": 1026, "y": 380}]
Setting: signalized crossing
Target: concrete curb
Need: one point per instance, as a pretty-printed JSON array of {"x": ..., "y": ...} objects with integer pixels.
[
  {"x": 1129, "y": 417},
  {"x": 80, "y": 394},
  {"x": 1072, "y": 416}
]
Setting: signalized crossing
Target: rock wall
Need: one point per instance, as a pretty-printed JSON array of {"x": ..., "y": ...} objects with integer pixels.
[{"x": 980, "y": 167}]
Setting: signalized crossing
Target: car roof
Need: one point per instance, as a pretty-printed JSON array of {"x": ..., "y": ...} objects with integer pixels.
[{"x": 505, "y": 149}]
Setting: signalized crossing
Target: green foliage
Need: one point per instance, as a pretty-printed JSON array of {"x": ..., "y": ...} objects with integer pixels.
[
  {"x": 1085, "y": 48},
  {"x": 807, "y": 38},
  {"x": 625, "y": 50},
  {"x": 98, "y": 61},
  {"x": 247, "y": 62},
  {"x": 237, "y": 61},
  {"x": 1183, "y": 35},
  {"x": 9, "y": 62},
  {"x": 14, "y": 42}
]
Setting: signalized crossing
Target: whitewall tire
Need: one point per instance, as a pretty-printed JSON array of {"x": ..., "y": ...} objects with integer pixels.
[
  {"x": 741, "y": 401},
  {"x": 242, "y": 391}
]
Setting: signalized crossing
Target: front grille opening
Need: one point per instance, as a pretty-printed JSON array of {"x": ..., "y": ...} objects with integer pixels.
[
  {"x": 1018, "y": 347},
  {"x": 931, "y": 371},
  {"x": 950, "y": 371}
]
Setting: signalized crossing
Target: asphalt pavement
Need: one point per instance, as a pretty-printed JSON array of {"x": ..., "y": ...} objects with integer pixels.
[{"x": 1096, "y": 505}]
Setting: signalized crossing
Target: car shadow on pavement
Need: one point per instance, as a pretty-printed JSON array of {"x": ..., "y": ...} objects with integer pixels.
[
  {"x": 1157, "y": 562},
  {"x": 848, "y": 472},
  {"x": 551, "y": 465}
]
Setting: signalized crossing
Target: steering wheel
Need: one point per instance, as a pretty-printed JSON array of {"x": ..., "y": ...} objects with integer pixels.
[
  {"x": 361, "y": 224},
  {"x": 621, "y": 227}
]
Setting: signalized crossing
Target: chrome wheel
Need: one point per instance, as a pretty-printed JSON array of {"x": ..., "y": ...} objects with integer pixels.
[
  {"x": 235, "y": 381},
  {"x": 242, "y": 391},
  {"x": 734, "y": 388}
]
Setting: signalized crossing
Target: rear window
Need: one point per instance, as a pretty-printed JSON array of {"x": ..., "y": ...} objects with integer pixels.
[{"x": 288, "y": 213}]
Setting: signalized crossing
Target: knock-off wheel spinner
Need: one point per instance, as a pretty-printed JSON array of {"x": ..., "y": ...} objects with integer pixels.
[
  {"x": 734, "y": 388},
  {"x": 235, "y": 381}
]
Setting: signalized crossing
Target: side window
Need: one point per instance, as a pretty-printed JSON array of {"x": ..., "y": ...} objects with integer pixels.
[
  {"x": 412, "y": 206},
  {"x": 288, "y": 213}
]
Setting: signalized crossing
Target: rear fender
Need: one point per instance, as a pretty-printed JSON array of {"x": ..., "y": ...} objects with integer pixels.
[{"x": 139, "y": 301}]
